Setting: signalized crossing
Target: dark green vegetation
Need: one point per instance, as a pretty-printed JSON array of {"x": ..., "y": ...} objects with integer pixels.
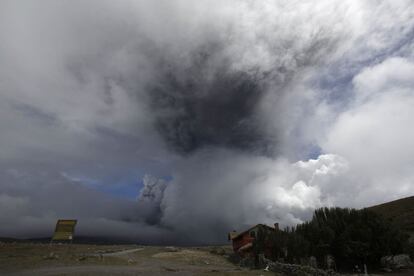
[{"x": 352, "y": 237}]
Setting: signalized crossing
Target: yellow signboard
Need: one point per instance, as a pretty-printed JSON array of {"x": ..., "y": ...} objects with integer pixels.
[{"x": 64, "y": 229}]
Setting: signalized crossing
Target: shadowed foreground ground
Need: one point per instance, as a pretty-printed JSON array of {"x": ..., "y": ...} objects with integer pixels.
[
  {"x": 86, "y": 259},
  {"x": 68, "y": 259}
]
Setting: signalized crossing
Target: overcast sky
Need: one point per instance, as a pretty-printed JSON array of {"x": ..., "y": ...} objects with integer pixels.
[{"x": 178, "y": 121}]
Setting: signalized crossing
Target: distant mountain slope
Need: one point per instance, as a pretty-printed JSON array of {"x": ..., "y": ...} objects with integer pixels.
[{"x": 400, "y": 211}]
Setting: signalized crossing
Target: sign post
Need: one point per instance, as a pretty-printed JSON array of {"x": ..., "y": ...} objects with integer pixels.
[{"x": 64, "y": 230}]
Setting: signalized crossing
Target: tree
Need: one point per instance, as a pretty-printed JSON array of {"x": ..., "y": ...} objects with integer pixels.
[{"x": 350, "y": 236}]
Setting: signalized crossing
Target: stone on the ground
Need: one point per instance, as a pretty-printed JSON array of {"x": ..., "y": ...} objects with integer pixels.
[
  {"x": 396, "y": 262},
  {"x": 294, "y": 269},
  {"x": 51, "y": 256},
  {"x": 82, "y": 258},
  {"x": 312, "y": 262},
  {"x": 330, "y": 262},
  {"x": 171, "y": 249},
  {"x": 218, "y": 251}
]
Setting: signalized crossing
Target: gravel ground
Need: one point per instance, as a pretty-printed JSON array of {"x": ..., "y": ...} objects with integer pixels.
[{"x": 71, "y": 259}]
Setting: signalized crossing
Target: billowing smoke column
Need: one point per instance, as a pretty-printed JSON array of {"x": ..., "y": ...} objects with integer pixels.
[
  {"x": 244, "y": 112},
  {"x": 222, "y": 104}
]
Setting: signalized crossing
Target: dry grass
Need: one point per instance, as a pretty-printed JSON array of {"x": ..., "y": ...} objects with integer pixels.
[{"x": 68, "y": 259}]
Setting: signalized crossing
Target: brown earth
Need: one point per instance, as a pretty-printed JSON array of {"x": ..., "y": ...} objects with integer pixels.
[
  {"x": 83, "y": 259},
  {"x": 75, "y": 259}
]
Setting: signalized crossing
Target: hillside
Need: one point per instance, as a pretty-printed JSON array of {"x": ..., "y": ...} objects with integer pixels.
[{"x": 400, "y": 211}]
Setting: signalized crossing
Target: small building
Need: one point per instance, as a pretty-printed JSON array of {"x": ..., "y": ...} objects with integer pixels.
[{"x": 243, "y": 242}]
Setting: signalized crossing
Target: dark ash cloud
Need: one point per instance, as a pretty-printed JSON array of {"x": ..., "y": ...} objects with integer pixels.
[{"x": 202, "y": 105}]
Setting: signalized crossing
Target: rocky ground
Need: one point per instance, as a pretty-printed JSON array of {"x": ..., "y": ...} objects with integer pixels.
[
  {"x": 68, "y": 259},
  {"x": 86, "y": 259}
]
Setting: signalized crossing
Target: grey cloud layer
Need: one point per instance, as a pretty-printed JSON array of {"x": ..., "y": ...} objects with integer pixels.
[{"x": 225, "y": 96}]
